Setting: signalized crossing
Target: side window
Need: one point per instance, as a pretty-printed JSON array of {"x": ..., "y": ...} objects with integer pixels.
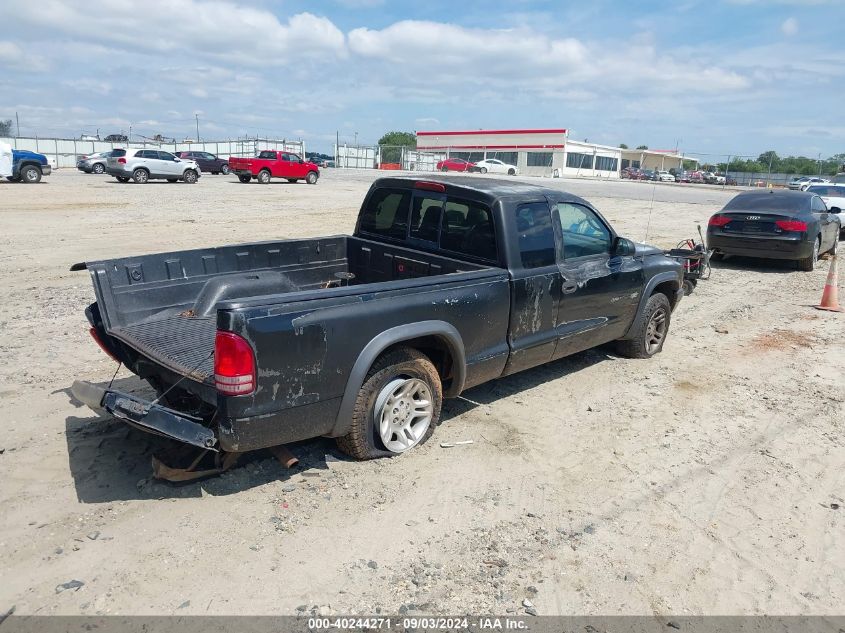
[
  {"x": 165, "y": 156},
  {"x": 386, "y": 213},
  {"x": 818, "y": 205},
  {"x": 425, "y": 217},
  {"x": 468, "y": 228},
  {"x": 535, "y": 234},
  {"x": 267, "y": 154},
  {"x": 583, "y": 233}
]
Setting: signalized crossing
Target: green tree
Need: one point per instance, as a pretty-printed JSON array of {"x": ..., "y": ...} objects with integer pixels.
[
  {"x": 623, "y": 146},
  {"x": 6, "y": 127},
  {"x": 642, "y": 146},
  {"x": 770, "y": 158},
  {"x": 392, "y": 141}
]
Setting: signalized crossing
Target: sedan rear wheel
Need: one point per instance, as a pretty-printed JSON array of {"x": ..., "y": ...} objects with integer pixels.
[
  {"x": 224, "y": 169},
  {"x": 98, "y": 168},
  {"x": 808, "y": 264}
]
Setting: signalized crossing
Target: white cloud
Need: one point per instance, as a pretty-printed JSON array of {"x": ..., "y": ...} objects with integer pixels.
[
  {"x": 789, "y": 26},
  {"x": 10, "y": 52},
  {"x": 212, "y": 28},
  {"x": 431, "y": 54}
]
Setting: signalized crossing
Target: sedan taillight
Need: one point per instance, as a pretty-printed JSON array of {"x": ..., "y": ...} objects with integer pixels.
[
  {"x": 719, "y": 220},
  {"x": 791, "y": 225}
]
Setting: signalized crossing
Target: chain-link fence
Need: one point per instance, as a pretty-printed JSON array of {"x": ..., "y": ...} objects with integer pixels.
[{"x": 65, "y": 152}]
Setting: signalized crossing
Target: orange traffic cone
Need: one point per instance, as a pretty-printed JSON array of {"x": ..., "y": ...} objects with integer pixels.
[{"x": 830, "y": 296}]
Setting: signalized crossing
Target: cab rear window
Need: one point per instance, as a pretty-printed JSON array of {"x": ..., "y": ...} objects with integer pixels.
[
  {"x": 117, "y": 153},
  {"x": 429, "y": 220}
]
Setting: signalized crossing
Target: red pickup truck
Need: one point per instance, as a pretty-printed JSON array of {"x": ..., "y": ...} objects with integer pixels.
[{"x": 274, "y": 164}]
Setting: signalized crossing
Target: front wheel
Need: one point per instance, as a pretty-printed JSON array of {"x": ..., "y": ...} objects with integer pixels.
[
  {"x": 311, "y": 178},
  {"x": 244, "y": 179},
  {"x": 808, "y": 264},
  {"x": 444, "y": 168},
  {"x": 511, "y": 172},
  {"x": 190, "y": 176},
  {"x": 31, "y": 174},
  {"x": 264, "y": 177},
  {"x": 397, "y": 407},
  {"x": 649, "y": 330},
  {"x": 483, "y": 170},
  {"x": 224, "y": 169}
]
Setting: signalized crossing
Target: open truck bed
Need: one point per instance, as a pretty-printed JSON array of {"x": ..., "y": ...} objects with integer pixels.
[{"x": 159, "y": 313}]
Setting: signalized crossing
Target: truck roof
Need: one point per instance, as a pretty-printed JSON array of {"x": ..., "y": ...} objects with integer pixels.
[{"x": 481, "y": 187}]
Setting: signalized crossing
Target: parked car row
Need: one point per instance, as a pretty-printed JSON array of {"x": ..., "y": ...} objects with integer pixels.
[
  {"x": 490, "y": 165},
  {"x": 659, "y": 175},
  {"x": 143, "y": 164}
]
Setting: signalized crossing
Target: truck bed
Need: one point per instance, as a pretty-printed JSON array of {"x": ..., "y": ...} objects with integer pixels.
[{"x": 165, "y": 306}]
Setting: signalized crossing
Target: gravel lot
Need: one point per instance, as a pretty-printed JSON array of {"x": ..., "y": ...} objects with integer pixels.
[{"x": 708, "y": 480}]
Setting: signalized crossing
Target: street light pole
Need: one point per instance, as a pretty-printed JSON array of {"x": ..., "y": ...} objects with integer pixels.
[{"x": 197, "y": 116}]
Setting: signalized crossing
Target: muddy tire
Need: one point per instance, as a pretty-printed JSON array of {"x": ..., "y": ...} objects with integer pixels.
[
  {"x": 649, "y": 330},
  {"x": 808, "y": 264},
  {"x": 382, "y": 399}
]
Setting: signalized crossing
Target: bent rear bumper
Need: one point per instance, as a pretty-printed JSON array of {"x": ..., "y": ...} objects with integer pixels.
[
  {"x": 146, "y": 416},
  {"x": 765, "y": 247}
]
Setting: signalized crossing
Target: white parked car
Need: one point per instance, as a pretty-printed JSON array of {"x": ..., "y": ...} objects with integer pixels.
[
  {"x": 143, "y": 165},
  {"x": 814, "y": 181},
  {"x": 833, "y": 195},
  {"x": 495, "y": 166},
  {"x": 664, "y": 176}
]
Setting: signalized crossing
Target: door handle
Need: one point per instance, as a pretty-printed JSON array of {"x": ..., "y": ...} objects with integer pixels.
[{"x": 568, "y": 286}]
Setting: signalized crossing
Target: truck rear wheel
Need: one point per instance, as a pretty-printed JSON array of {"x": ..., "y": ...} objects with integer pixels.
[
  {"x": 244, "y": 179},
  {"x": 397, "y": 407},
  {"x": 30, "y": 174},
  {"x": 264, "y": 177},
  {"x": 649, "y": 330}
]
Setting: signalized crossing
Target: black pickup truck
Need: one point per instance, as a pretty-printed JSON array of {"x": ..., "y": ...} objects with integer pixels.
[{"x": 445, "y": 284}]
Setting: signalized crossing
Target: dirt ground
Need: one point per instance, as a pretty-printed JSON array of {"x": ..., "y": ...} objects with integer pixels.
[{"x": 708, "y": 480}]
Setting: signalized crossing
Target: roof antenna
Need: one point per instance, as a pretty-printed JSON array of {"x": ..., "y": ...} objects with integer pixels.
[{"x": 650, "y": 209}]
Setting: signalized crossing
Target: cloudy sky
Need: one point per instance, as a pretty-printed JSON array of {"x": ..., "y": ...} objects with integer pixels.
[{"x": 715, "y": 76}]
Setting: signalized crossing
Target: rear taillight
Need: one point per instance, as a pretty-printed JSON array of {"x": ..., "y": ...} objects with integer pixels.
[
  {"x": 96, "y": 336},
  {"x": 122, "y": 161},
  {"x": 791, "y": 225},
  {"x": 234, "y": 365},
  {"x": 719, "y": 220}
]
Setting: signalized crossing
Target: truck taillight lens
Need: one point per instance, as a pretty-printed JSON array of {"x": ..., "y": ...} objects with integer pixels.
[
  {"x": 96, "y": 336},
  {"x": 122, "y": 161},
  {"x": 234, "y": 365},
  {"x": 719, "y": 220},
  {"x": 791, "y": 225}
]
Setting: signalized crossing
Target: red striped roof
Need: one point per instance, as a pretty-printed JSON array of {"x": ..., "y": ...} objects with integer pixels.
[{"x": 474, "y": 132}]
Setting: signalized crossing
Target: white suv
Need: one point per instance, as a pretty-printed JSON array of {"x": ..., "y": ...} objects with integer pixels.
[{"x": 142, "y": 165}]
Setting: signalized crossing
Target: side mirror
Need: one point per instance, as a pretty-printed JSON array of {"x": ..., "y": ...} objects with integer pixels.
[
  {"x": 834, "y": 210},
  {"x": 623, "y": 247},
  {"x": 176, "y": 159}
]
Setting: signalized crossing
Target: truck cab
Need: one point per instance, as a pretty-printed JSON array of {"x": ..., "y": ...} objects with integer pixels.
[{"x": 28, "y": 167}]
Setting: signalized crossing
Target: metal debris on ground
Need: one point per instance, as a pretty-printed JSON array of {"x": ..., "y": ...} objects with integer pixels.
[
  {"x": 453, "y": 444},
  {"x": 222, "y": 462}
]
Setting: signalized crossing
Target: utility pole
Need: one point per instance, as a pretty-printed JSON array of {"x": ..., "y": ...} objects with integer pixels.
[
  {"x": 820, "y": 164},
  {"x": 197, "y": 116},
  {"x": 356, "y": 139},
  {"x": 18, "y": 121}
]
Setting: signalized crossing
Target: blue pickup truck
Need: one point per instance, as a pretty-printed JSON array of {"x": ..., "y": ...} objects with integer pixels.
[{"x": 28, "y": 166}]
